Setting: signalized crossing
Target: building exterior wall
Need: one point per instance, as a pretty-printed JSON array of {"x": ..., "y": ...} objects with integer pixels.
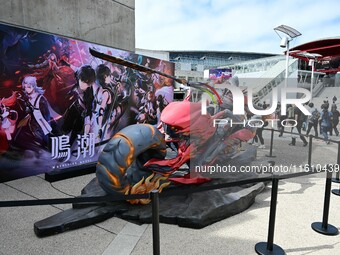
[
  {"x": 107, "y": 22},
  {"x": 190, "y": 65},
  {"x": 164, "y": 55},
  {"x": 193, "y": 76}
]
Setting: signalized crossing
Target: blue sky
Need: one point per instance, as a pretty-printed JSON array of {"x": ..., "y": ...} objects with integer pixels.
[{"x": 231, "y": 25}]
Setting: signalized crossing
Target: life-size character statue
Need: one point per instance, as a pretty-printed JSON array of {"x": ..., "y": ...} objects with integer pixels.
[{"x": 134, "y": 160}]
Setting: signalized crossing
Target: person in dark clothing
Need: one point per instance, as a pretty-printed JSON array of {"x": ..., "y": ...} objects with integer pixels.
[
  {"x": 78, "y": 117},
  {"x": 281, "y": 117},
  {"x": 326, "y": 123},
  {"x": 334, "y": 99},
  {"x": 325, "y": 104},
  {"x": 313, "y": 120},
  {"x": 335, "y": 123},
  {"x": 259, "y": 136},
  {"x": 333, "y": 107},
  {"x": 300, "y": 118}
]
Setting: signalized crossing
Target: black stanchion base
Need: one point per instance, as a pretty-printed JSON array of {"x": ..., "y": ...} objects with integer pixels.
[
  {"x": 335, "y": 180},
  {"x": 336, "y": 192},
  {"x": 261, "y": 248},
  {"x": 269, "y": 156},
  {"x": 329, "y": 231}
]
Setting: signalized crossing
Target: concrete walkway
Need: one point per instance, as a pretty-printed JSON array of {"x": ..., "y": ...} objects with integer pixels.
[{"x": 300, "y": 202}]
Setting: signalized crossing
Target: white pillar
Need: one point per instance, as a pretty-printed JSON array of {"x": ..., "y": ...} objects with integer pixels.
[
  {"x": 287, "y": 64},
  {"x": 312, "y": 78}
]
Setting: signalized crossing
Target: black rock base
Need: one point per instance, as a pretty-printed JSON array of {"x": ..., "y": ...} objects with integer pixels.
[{"x": 194, "y": 210}]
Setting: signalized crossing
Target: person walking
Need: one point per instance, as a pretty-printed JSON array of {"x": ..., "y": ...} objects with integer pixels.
[
  {"x": 313, "y": 120},
  {"x": 259, "y": 136},
  {"x": 300, "y": 118},
  {"x": 334, "y": 99},
  {"x": 281, "y": 117},
  {"x": 335, "y": 123},
  {"x": 326, "y": 122}
]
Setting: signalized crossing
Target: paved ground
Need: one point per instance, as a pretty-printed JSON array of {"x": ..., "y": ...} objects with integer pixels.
[{"x": 300, "y": 202}]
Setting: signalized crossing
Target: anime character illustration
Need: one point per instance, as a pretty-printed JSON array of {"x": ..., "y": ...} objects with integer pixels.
[
  {"x": 79, "y": 117},
  {"x": 148, "y": 87},
  {"x": 147, "y": 110},
  {"x": 106, "y": 95},
  {"x": 70, "y": 103},
  {"x": 124, "y": 100},
  {"x": 57, "y": 77},
  {"x": 8, "y": 119},
  {"x": 139, "y": 93},
  {"x": 34, "y": 129},
  {"x": 161, "y": 103}
]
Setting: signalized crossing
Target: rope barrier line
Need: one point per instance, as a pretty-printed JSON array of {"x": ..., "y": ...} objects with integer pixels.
[
  {"x": 183, "y": 191},
  {"x": 261, "y": 248},
  {"x": 179, "y": 191},
  {"x": 116, "y": 198},
  {"x": 194, "y": 189},
  {"x": 108, "y": 198},
  {"x": 297, "y": 134}
]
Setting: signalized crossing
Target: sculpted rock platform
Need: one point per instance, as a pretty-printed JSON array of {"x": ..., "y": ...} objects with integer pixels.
[{"x": 192, "y": 210}]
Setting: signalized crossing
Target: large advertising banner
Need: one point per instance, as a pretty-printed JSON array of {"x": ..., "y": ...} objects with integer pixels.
[
  {"x": 220, "y": 75},
  {"x": 59, "y": 105}
]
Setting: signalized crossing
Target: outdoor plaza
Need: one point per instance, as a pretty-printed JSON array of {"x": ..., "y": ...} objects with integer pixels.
[{"x": 300, "y": 203}]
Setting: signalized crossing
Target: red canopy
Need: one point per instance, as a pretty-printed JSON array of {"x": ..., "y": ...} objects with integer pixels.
[{"x": 322, "y": 50}]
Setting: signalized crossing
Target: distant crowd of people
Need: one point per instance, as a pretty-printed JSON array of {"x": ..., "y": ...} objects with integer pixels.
[{"x": 325, "y": 120}]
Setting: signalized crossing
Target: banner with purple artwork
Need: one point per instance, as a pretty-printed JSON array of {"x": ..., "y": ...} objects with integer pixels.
[
  {"x": 219, "y": 75},
  {"x": 59, "y": 105}
]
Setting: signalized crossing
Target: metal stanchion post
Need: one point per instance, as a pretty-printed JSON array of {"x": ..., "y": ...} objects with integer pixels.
[
  {"x": 271, "y": 145},
  {"x": 155, "y": 222},
  {"x": 269, "y": 248},
  {"x": 337, "y": 179},
  {"x": 336, "y": 191},
  {"x": 323, "y": 227},
  {"x": 310, "y": 147}
]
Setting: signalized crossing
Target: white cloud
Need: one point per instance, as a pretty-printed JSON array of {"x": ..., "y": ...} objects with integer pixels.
[{"x": 231, "y": 25}]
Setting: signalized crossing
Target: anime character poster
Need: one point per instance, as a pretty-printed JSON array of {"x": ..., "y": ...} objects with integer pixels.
[
  {"x": 220, "y": 75},
  {"x": 59, "y": 105}
]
